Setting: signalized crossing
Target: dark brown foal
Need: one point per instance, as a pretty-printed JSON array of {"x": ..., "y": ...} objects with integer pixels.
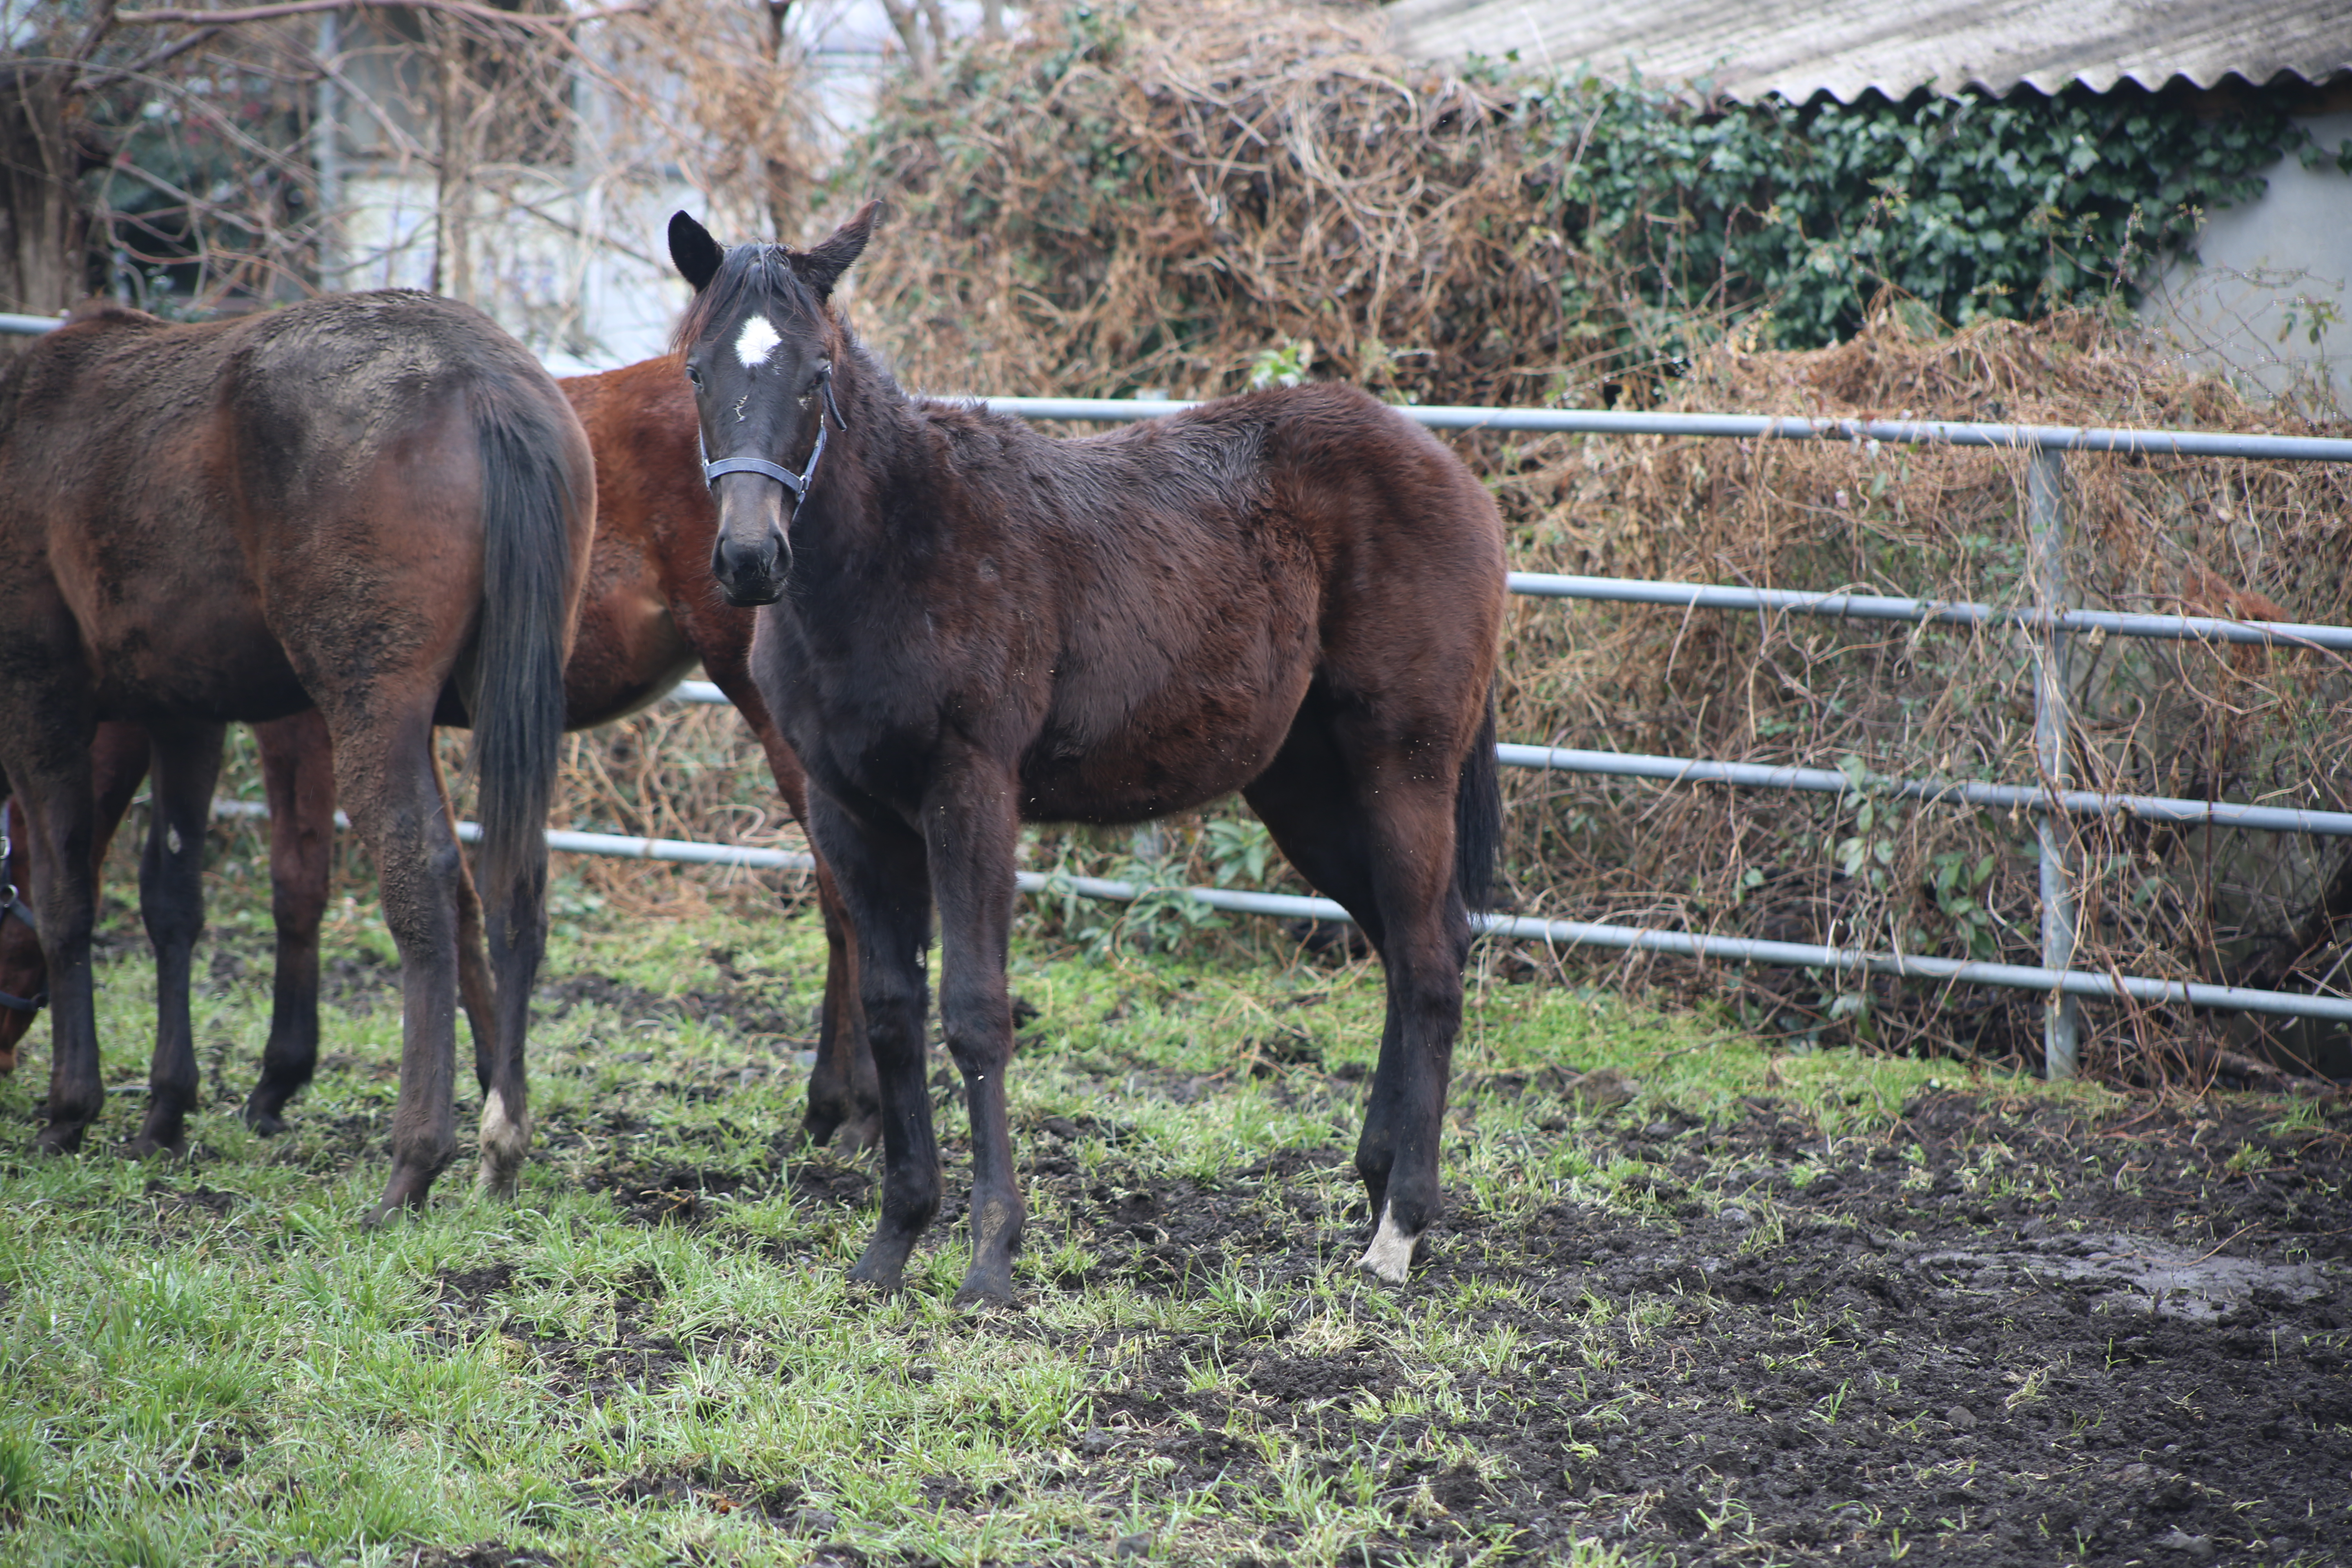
[{"x": 1296, "y": 594}]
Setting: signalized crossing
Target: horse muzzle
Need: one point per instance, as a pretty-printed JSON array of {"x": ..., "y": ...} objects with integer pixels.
[{"x": 752, "y": 555}]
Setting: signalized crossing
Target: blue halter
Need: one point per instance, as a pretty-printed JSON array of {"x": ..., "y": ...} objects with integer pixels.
[{"x": 797, "y": 483}]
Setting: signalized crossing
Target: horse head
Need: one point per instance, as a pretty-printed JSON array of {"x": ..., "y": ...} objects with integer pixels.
[{"x": 759, "y": 343}]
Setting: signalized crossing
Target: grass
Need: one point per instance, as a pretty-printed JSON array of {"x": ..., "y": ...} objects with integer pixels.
[{"x": 209, "y": 1361}]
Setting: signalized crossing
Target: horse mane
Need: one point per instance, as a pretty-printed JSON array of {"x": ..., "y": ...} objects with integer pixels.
[{"x": 757, "y": 273}]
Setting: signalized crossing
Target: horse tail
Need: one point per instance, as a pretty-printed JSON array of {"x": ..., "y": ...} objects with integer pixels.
[
  {"x": 515, "y": 703},
  {"x": 1478, "y": 817}
]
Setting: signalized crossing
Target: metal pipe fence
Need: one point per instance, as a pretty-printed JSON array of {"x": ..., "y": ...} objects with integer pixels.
[{"x": 2050, "y": 621}]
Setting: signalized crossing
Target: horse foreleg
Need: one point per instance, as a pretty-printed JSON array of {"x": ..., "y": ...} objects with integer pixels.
[
  {"x": 298, "y": 774},
  {"x": 845, "y": 1099},
  {"x": 879, "y": 868},
  {"x": 172, "y": 904},
  {"x": 972, "y": 831},
  {"x": 24, "y": 975}
]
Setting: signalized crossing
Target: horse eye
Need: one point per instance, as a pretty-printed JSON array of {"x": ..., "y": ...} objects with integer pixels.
[{"x": 694, "y": 375}]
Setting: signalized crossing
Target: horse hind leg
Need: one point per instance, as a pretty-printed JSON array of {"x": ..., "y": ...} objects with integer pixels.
[
  {"x": 844, "y": 1097},
  {"x": 505, "y": 1132},
  {"x": 844, "y": 1093},
  {"x": 172, "y": 903},
  {"x": 385, "y": 776},
  {"x": 49, "y": 775},
  {"x": 1385, "y": 854},
  {"x": 1412, "y": 872}
]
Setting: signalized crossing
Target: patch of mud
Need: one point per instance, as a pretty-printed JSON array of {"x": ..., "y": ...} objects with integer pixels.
[
  {"x": 721, "y": 1490},
  {"x": 2011, "y": 1337},
  {"x": 746, "y": 1008},
  {"x": 469, "y": 1306},
  {"x": 481, "y": 1555}
]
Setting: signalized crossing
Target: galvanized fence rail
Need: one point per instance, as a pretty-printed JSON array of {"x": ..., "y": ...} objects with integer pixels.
[{"x": 2050, "y": 619}]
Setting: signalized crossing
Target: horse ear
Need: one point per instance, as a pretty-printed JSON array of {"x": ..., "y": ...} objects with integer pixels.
[
  {"x": 697, "y": 255},
  {"x": 821, "y": 264}
]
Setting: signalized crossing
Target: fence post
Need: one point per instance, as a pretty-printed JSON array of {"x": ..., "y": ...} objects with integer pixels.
[{"x": 2045, "y": 522}]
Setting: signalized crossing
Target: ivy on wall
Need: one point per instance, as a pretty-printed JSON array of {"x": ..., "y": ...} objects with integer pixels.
[{"x": 1975, "y": 206}]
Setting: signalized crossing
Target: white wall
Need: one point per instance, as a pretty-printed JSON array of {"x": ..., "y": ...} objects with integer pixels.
[
  {"x": 579, "y": 303},
  {"x": 2267, "y": 273}
]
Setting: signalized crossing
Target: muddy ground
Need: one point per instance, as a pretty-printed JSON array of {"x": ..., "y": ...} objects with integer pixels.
[
  {"x": 2001, "y": 1386},
  {"x": 1993, "y": 1331}
]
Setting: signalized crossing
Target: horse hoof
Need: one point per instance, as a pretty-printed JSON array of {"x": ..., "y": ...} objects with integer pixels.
[
  {"x": 147, "y": 1147},
  {"x": 886, "y": 1278},
  {"x": 265, "y": 1123},
  {"x": 978, "y": 1296},
  {"x": 1389, "y": 1256},
  {"x": 58, "y": 1141},
  {"x": 402, "y": 1193}
]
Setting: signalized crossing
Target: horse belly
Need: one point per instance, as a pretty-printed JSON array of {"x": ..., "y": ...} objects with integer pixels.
[
  {"x": 1183, "y": 746},
  {"x": 198, "y": 653},
  {"x": 629, "y": 651}
]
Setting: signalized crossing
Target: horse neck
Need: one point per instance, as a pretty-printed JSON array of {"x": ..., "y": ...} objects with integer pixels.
[{"x": 883, "y": 470}]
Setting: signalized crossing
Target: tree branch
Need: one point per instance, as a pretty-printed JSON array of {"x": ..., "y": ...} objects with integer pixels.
[{"x": 176, "y": 15}]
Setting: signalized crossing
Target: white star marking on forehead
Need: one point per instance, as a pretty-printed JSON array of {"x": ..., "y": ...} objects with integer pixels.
[{"x": 758, "y": 336}]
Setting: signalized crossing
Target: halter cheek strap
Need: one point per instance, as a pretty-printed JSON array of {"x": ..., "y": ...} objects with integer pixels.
[
  {"x": 10, "y": 904},
  {"x": 797, "y": 483}
]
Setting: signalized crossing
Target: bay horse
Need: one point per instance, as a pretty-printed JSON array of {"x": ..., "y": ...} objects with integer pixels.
[
  {"x": 352, "y": 503},
  {"x": 650, "y": 614},
  {"x": 1294, "y": 594}
]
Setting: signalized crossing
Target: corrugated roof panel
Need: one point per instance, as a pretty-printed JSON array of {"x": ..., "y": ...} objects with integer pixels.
[{"x": 1748, "y": 50}]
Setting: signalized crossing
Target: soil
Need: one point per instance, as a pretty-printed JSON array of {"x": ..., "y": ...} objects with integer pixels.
[
  {"x": 2009, "y": 1334},
  {"x": 1994, "y": 1332}
]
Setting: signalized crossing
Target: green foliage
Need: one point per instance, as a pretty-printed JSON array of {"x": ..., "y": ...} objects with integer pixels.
[
  {"x": 1973, "y": 205},
  {"x": 1162, "y": 863}
]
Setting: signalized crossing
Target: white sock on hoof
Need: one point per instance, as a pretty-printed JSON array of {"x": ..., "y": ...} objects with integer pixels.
[
  {"x": 1389, "y": 1256},
  {"x": 505, "y": 1140}
]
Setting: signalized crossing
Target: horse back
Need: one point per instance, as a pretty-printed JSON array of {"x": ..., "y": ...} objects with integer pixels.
[
  {"x": 118, "y": 549},
  {"x": 1191, "y": 577},
  {"x": 198, "y": 500}
]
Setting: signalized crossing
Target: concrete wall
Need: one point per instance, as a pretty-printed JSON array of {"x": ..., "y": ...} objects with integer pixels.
[{"x": 2270, "y": 295}]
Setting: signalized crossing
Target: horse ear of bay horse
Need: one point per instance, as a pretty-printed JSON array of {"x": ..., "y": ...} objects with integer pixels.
[
  {"x": 821, "y": 264},
  {"x": 696, "y": 254}
]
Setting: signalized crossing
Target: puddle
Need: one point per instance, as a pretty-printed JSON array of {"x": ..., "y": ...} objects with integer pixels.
[{"x": 2151, "y": 1275}]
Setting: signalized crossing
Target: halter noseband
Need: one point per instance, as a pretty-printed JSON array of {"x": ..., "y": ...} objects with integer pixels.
[
  {"x": 10, "y": 904},
  {"x": 797, "y": 483}
]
